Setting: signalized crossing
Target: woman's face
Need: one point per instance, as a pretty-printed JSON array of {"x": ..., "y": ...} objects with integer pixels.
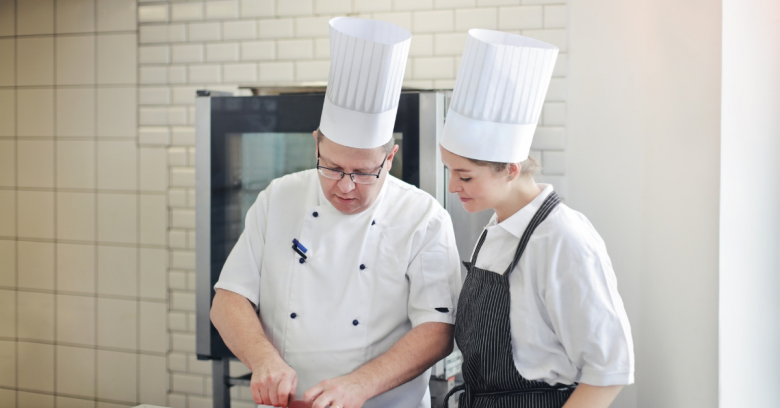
[{"x": 479, "y": 187}]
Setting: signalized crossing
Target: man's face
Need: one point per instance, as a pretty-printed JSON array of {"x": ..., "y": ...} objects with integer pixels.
[{"x": 346, "y": 195}]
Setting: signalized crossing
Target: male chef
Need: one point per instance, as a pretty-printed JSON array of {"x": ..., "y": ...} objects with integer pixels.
[{"x": 353, "y": 273}]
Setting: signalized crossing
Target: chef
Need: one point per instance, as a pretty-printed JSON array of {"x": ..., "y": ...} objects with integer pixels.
[
  {"x": 353, "y": 273},
  {"x": 540, "y": 321}
]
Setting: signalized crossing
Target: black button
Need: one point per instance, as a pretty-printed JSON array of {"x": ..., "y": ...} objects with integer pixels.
[
  {"x": 315, "y": 214},
  {"x": 373, "y": 222},
  {"x": 355, "y": 322},
  {"x": 301, "y": 260},
  {"x": 362, "y": 267},
  {"x": 293, "y": 315}
]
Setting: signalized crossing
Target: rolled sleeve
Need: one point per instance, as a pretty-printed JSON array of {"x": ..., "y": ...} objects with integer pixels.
[
  {"x": 434, "y": 274},
  {"x": 241, "y": 272},
  {"x": 588, "y": 314}
]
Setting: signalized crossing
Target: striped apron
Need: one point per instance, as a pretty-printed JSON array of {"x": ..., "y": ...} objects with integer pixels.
[{"x": 483, "y": 336}]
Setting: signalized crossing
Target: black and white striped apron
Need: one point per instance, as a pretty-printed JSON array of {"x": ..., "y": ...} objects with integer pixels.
[{"x": 483, "y": 336}]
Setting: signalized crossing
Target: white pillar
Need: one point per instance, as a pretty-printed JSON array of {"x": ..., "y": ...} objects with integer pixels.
[
  {"x": 644, "y": 165},
  {"x": 750, "y": 205}
]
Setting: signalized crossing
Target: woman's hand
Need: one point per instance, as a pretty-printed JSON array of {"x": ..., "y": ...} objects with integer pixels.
[{"x": 592, "y": 396}]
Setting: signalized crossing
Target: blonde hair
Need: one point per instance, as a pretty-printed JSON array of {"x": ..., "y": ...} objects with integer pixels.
[{"x": 528, "y": 167}]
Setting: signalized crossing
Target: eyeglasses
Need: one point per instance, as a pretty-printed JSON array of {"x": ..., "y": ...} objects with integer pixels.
[{"x": 358, "y": 178}]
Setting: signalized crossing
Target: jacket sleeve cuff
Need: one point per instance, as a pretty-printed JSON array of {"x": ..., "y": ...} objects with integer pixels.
[
  {"x": 605, "y": 379},
  {"x": 431, "y": 316}
]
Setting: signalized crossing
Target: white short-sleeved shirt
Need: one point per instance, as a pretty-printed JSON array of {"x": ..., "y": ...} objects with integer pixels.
[
  {"x": 367, "y": 278},
  {"x": 567, "y": 320}
]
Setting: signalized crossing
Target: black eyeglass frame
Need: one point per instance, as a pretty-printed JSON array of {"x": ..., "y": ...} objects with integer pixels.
[{"x": 351, "y": 175}]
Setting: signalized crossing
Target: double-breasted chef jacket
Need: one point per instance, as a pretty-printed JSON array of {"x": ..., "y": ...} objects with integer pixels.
[
  {"x": 366, "y": 280},
  {"x": 567, "y": 320}
]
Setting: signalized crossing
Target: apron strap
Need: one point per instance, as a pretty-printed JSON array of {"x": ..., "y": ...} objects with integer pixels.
[
  {"x": 548, "y": 205},
  {"x": 479, "y": 246},
  {"x": 451, "y": 393}
]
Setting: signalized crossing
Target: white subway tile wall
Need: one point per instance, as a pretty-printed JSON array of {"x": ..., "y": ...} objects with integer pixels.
[
  {"x": 222, "y": 52},
  {"x": 466, "y": 19},
  {"x": 116, "y": 15},
  {"x": 186, "y": 11},
  {"x": 75, "y": 60},
  {"x": 7, "y": 62},
  {"x": 97, "y": 168},
  {"x": 75, "y": 16},
  {"x": 83, "y": 206},
  {"x": 35, "y": 17},
  {"x": 220, "y": 10},
  {"x": 239, "y": 30}
]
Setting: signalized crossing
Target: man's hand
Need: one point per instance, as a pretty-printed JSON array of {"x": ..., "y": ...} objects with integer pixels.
[
  {"x": 414, "y": 353},
  {"x": 343, "y": 392},
  {"x": 273, "y": 382}
]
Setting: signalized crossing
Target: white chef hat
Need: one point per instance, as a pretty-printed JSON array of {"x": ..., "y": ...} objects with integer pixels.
[
  {"x": 367, "y": 62},
  {"x": 498, "y": 96}
]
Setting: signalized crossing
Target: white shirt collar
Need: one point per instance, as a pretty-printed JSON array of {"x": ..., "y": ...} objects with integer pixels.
[{"x": 518, "y": 222}]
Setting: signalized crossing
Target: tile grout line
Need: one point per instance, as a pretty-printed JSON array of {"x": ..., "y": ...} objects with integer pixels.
[
  {"x": 168, "y": 334},
  {"x": 170, "y": 212},
  {"x": 66, "y": 86},
  {"x": 96, "y": 201},
  {"x": 81, "y": 242},
  {"x": 72, "y": 396},
  {"x": 139, "y": 216},
  {"x": 85, "y": 190},
  {"x": 88, "y": 295},
  {"x": 16, "y": 205},
  {"x": 89, "y": 347},
  {"x": 55, "y": 196}
]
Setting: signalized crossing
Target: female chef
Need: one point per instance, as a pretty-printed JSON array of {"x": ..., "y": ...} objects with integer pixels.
[{"x": 540, "y": 322}]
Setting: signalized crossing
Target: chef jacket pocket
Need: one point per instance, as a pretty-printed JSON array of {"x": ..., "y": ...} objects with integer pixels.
[{"x": 437, "y": 286}]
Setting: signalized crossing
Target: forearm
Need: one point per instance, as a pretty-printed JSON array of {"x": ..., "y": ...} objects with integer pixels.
[
  {"x": 238, "y": 325},
  {"x": 414, "y": 353},
  {"x": 591, "y": 396}
]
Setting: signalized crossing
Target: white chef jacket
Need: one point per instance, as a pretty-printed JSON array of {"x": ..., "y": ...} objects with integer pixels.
[
  {"x": 567, "y": 320},
  {"x": 367, "y": 279}
]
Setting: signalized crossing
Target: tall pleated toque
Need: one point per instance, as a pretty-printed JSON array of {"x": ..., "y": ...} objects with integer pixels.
[
  {"x": 498, "y": 96},
  {"x": 368, "y": 59}
]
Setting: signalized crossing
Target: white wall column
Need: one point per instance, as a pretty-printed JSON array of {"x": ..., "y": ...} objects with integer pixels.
[
  {"x": 750, "y": 205},
  {"x": 644, "y": 165}
]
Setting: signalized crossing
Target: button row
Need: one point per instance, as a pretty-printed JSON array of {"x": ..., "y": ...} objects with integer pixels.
[
  {"x": 354, "y": 322},
  {"x": 316, "y": 214},
  {"x": 303, "y": 261}
]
